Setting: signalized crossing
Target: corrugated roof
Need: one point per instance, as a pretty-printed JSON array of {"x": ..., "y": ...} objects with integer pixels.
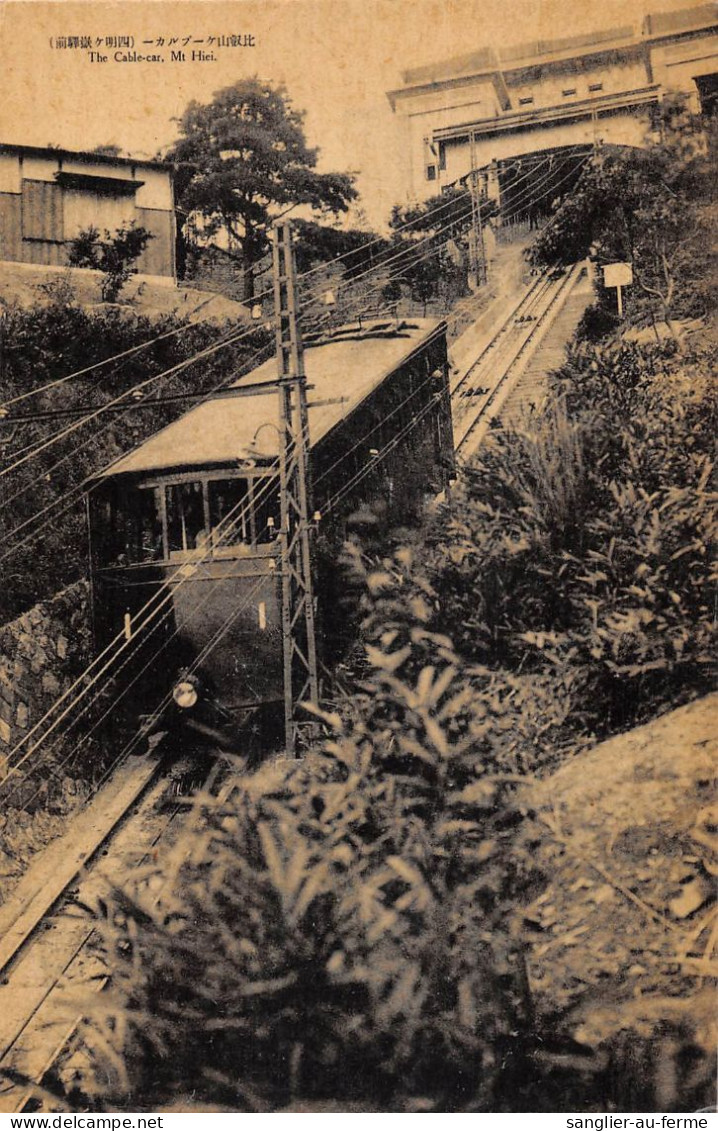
[
  {"x": 685, "y": 19},
  {"x": 541, "y": 48},
  {"x": 486, "y": 60},
  {"x": 221, "y": 430},
  {"x": 81, "y": 156},
  {"x": 470, "y": 64}
]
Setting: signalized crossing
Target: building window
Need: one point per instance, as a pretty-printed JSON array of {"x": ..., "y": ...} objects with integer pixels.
[
  {"x": 594, "y": 86},
  {"x": 707, "y": 86},
  {"x": 567, "y": 93},
  {"x": 42, "y": 213},
  {"x": 442, "y": 157},
  {"x": 431, "y": 172},
  {"x": 526, "y": 101}
]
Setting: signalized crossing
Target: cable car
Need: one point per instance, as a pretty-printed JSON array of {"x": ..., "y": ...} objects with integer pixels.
[{"x": 184, "y": 530}]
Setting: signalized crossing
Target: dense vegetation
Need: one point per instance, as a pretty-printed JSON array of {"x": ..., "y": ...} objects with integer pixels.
[
  {"x": 358, "y": 917},
  {"x": 579, "y": 545},
  {"x": 653, "y": 207},
  {"x": 351, "y": 916}
]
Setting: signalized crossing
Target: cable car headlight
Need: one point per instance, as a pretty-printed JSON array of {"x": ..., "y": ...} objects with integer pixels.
[{"x": 185, "y": 694}]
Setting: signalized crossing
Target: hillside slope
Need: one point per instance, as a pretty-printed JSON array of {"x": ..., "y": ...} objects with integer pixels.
[
  {"x": 625, "y": 933},
  {"x": 25, "y": 285}
]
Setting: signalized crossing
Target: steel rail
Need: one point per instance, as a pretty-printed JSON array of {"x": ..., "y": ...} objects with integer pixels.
[
  {"x": 21, "y": 1095},
  {"x": 505, "y": 327},
  {"x": 502, "y": 352},
  {"x": 555, "y": 303}
]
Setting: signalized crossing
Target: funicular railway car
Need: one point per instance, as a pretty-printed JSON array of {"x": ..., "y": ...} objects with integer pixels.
[{"x": 185, "y": 553}]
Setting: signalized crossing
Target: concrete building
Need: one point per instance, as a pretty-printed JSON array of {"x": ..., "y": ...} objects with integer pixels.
[
  {"x": 550, "y": 100},
  {"x": 47, "y": 196}
]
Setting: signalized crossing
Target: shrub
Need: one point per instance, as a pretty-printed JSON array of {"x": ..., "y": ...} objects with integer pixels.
[
  {"x": 348, "y": 930},
  {"x": 115, "y": 255},
  {"x": 579, "y": 542},
  {"x": 337, "y": 927},
  {"x": 652, "y": 206}
]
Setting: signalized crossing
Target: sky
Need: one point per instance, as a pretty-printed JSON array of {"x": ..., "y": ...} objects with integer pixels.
[{"x": 337, "y": 58}]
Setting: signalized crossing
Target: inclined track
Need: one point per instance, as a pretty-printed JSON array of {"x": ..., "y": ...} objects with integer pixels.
[
  {"x": 46, "y": 965},
  {"x": 479, "y": 393}
]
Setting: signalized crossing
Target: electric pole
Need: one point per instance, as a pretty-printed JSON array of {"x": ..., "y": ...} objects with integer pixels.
[
  {"x": 596, "y": 137},
  {"x": 298, "y": 636},
  {"x": 477, "y": 251}
]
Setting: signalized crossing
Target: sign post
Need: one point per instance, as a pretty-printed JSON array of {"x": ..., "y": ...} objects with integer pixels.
[{"x": 618, "y": 275}]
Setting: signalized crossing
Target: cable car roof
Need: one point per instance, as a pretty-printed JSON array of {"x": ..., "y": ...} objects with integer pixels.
[{"x": 342, "y": 370}]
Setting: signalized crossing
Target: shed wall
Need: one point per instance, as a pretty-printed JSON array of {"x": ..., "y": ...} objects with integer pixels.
[
  {"x": 10, "y": 227},
  {"x": 38, "y": 216},
  {"x": 158, "y": 256}
]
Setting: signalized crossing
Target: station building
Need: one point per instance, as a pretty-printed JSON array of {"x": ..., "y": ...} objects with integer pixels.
[
  {"x": 48, "y": 196},
  {"x": 536, "y": 109}
]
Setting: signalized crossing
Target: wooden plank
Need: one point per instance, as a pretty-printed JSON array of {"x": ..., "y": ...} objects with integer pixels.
[{"x": 64, "y": 858}]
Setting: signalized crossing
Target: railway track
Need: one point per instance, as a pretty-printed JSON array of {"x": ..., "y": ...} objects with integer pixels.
[
  {"x": 46, "y": 953},
  {"x": 477, "y": 396},
  {"x": 46, "y": 947}
]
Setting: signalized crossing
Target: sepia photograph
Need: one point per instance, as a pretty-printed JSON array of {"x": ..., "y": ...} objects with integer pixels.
[{"x": 358, "y": 711}]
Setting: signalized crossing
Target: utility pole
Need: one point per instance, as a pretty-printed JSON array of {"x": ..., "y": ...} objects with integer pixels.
[
  {"x": 298, "y": 637},
  {"x": 596, "y": 138},
  {"x": 477, "y": 251}
]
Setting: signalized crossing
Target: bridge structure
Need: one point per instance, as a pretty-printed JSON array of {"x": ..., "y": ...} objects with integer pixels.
[{"x": 534, "y": 111}]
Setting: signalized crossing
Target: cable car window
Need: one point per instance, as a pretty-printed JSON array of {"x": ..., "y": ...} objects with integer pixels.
[
  {"x": 230, "y": 517},
  {"x": 101, "y": 525},
  {"x": 128, "y": 528},
  {"x": 119, "y": 541},
  {"x": 145, "y": 526},
  {"x": 266, "y": 508},
  {"x": 186, "y": 527}
]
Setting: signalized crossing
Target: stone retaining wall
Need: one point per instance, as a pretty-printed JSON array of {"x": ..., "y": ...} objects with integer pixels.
[{"x": 41, "y": 654}]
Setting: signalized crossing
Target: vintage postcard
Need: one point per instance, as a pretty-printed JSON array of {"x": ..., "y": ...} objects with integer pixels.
[{"x": 357, "y": 724}]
